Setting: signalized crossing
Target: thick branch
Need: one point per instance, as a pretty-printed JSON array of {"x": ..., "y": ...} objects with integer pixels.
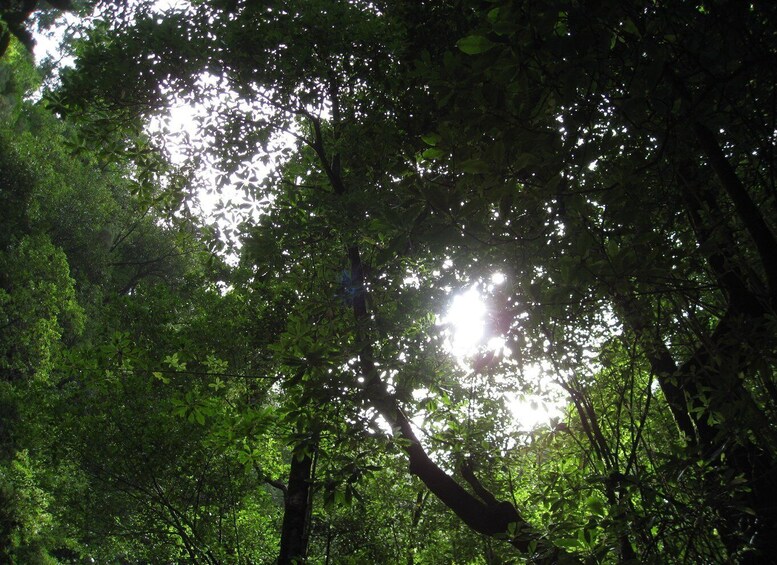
[
  {"x": 715, "y": 237},
  {"x": 469, "y": 475},
  {"x": 662, "y": 364},
  {"x": 275, "y": 483},
  {"x": 748, "y": 212},
  {"x": 746, "y": 209},
  {"x": 333, "y": 174},
  {"x": 487, "y": 516}
]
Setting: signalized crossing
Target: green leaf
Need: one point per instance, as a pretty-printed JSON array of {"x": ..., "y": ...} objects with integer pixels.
[
  {"x": 475, "y": 44},
  {"x": 431, "y": 138},
  {"x": 595, "y": 506},
  {"x": 569, "y": 543},
  {"x": 433, "y": 153},
  {"x": 474, "y": 166},
  {"x": 561, "y": 24},
  {"x": 630, "y": 27},
  {"x": 161, "y": 377}
]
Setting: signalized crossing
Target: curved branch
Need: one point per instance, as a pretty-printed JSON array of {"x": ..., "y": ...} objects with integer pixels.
[{"x": 487, "y": 516}]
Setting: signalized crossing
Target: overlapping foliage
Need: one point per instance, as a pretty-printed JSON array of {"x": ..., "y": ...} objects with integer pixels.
[{"x": 613, "y": 160}]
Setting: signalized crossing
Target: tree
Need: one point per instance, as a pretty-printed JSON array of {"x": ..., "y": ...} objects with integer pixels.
[
  {"x": 353, "y": 89},
  {"x": 613, "y": 160},
  {"x": 14, "y": 15},
  {"x": 633, "y": 160},
  {"x": 101, "y": 299}
]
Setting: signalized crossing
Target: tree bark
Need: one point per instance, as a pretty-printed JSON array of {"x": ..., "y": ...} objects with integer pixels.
[{"x": 296, "y": 510}]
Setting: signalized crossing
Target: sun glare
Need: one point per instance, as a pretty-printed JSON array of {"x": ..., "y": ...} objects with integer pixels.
[
  {"x": 530, "y": 411},
  {"x": 466, "y": 323},
  {"x": 498, "y": 278},
  {"x": 465, "y": 330}
]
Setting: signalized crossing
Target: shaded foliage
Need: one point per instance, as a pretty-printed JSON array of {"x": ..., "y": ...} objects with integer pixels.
[{"x": 614, "y": 161}]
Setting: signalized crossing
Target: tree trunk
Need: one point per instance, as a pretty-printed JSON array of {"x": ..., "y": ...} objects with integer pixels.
[{"x": 296, "y": 509}]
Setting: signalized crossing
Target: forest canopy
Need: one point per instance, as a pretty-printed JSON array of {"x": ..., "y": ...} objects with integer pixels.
[{"x": 284, "y": 379}]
